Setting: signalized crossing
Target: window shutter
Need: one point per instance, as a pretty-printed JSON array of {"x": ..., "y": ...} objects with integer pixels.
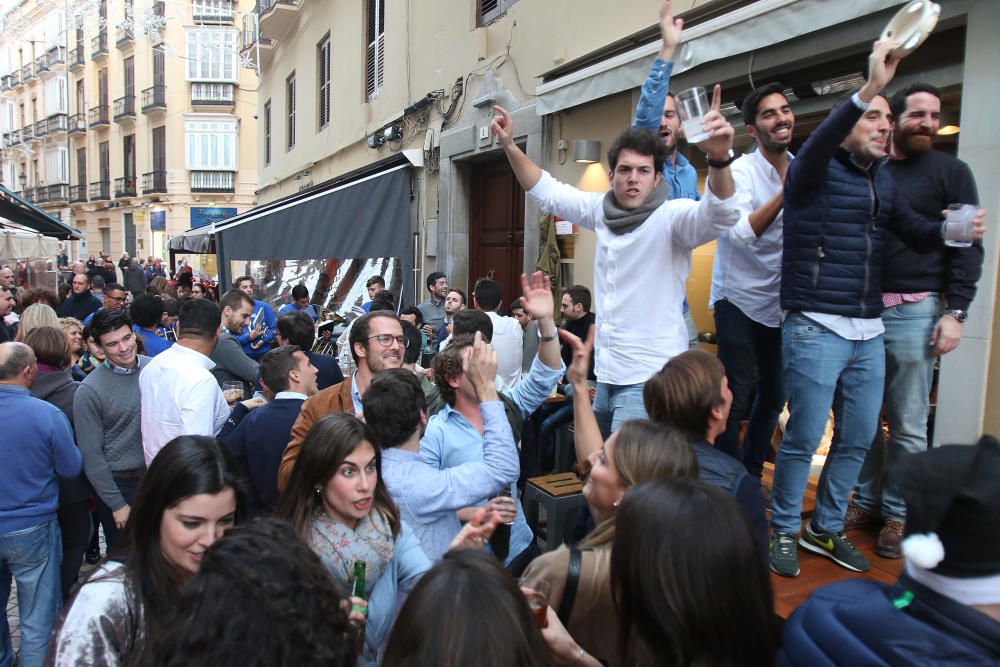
[
  {"x": 324, "y": 83},
  {"x": 291, "y": 112}
]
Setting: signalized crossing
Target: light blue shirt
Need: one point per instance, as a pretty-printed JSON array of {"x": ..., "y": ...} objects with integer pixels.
[
  {"x": 450, "y": 440},
  {"x": 428, "y": 498}
]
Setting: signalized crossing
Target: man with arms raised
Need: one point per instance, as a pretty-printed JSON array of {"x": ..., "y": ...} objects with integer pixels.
[{"x": 642, "y": 239}]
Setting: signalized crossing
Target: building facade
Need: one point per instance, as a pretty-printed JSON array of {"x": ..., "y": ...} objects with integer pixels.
[{"x": 132, "y": 120}]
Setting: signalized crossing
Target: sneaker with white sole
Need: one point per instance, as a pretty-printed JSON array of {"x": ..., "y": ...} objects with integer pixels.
[
  {"x": 834, "y": 546},
  {"x": 782, "y": 555}
]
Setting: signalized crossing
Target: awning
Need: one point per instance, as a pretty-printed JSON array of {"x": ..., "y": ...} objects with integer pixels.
[
  {"x": 742, "y": 31},
  {"x": 200, "y": 241},
  {"x": 20, "y": 211},
  {"x": 25, "y": 245}
]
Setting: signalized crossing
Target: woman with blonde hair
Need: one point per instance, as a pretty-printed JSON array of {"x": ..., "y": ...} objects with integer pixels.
[
  {"x": 34, "y": 316},
  {"x": 72, "y": 328},
  {"x": 579, "y": 577}
]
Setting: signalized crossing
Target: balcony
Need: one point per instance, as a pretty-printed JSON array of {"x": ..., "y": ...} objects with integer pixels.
[
  {"x": 11, "y": 139},
  {"x": 77, "y": 194},
  {"x": 41, "y": 129},
  {"x": 276, "y": 17},
  {"x": 77, "y": 123},
  {"x": 154, "y": 99},
  {"x": 99, "y": 45},
  {"x": 125, "y": 109},
  {"x": 213, "y": 181},
  {"x": 41, "y": 65},
  {"x": 213, "y": 94},
  {"x": 125, "y": 187},
  {"x": 28, "y": 133},
  {"x": 123, "y": 38},
  {"x": 213, "y": 11},
  {"x": 100, "y": 191},
  {"x": 57, "y": 193},
  {"x": 158, "y": 8},
  {"x": 39, "y": 194},
  {"x": 154, "y": 182},
  {"x": 56, "y": 124},
  {"x": 98, "y": 116},
  {"x": 76, "y": 57},
  {"x": 15, "y": 78},
  {"x": 27, "y": 73},
  {"x": 55, "y": 56}
]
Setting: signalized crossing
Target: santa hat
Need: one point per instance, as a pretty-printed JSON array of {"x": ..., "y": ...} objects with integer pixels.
[{"x": 952, "y": 496}]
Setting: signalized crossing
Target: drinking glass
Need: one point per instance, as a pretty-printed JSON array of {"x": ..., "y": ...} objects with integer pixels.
[
  {"x": 958, "y": 226},
  {"x": 692, "y": 104},
  {"x": 233, "y": 391},
  {"x": 537, "y": 595}
]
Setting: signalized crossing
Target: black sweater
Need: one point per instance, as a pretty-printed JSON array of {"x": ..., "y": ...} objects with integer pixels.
[{"x": 930, "y": 182}]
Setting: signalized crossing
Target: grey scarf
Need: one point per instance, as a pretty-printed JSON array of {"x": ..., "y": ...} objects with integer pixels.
[{"x": 621, "y": 221}]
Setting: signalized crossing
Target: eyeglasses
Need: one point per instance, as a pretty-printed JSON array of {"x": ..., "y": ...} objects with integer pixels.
[
  {"x": 116, "y": 299},
  {"x": 385, "y": 340}
]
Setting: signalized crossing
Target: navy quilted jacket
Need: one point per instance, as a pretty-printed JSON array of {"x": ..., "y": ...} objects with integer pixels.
[{"x": 836, "y": 213}]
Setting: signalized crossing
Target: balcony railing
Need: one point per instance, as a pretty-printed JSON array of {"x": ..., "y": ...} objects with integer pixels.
[
  {"x": 158, "y": 8},
  {"x": 123, "y": 38},
  {"x": 213, "y": 94},
  {"x": 15, "y": 78},
  {"x": 99, "y": 45},
  {"x": 76, "y": 57},
  {"x": 57, "y": 123},
  {"x": 41, "y": 128},
  {"x": 6, "y": 83},
  {"x": 38, "y": 194},
  {"x": 213, "y": 181},
  {"x": 100, "y": 191},
  {"x": 55, "y": 56},
  {"x": 154, "y": 98},
  {"x": 125, "y": 108},
  {"x": 213, "y": 11},
  {"x": 154, "y": 182},
  {"x": 77, "y": 123},
  {"x": 57, "y": 193},
  {"x": 41, "y": 65},
  {"x": 98, "y": 116},
  {"x": 28, "y": 133},
  {"x": 77, "y": 193},
  {"x": 125, "y": 186},
  {"x": 27, "y": 73},
  {"x": 12, "y": 138}
]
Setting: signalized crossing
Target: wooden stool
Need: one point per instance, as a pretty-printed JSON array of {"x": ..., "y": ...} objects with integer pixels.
[{"x": 561, "y": 496}]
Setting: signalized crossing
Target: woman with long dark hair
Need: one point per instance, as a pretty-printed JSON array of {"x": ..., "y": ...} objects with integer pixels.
[
  {"x": 338, "y": 503},
  {"x": 466, "y": 611},
  {"x": 257, "y": 573},
  {"x": 688, "y": 580},
  {"x": 192, "y": 493}
]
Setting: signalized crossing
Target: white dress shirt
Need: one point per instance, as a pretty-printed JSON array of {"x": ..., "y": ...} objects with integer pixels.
[
  {"x": 747, "y": 268},
  {"x": 179, "y": 396},
  {"x": 508, "y": 341},
  {"x": 639, "y": 276}
]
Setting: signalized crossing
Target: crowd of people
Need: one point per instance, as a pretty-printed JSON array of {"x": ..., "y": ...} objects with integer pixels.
[{"x": 262, "y": 503}]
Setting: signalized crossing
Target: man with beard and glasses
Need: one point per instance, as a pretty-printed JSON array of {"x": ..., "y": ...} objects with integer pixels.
[
  {"x": 926, "y": 298},
  {"x": 746, "y": 280}
]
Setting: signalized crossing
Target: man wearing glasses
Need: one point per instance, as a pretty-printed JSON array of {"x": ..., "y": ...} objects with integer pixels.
[
  {"x": 377, "y": 343},
  {"x": 114, "y": 299}
]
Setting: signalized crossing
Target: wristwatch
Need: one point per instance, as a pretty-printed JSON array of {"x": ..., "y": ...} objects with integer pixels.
[
  {"x": 960, "y": 315},
  {"x": 546, "y": 339},
  {"x": 721, "y": 164}
]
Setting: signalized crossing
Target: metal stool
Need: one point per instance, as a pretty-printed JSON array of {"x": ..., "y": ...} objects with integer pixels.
[{"x": 561, "y": 496}]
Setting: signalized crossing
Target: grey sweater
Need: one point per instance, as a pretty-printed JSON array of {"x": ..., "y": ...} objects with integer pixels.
[
  {"x": 232, "y": 364},
  {"x": 106, "y": 416}
]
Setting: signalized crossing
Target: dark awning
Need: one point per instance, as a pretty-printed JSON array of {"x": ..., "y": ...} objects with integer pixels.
[{"x": 19, "y": 210}]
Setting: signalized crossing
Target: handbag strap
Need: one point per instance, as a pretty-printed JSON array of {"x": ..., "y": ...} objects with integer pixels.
[{"x": 572, "y": 583}]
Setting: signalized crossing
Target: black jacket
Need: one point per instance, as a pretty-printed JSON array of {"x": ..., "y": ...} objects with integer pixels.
[{"x": 79, "y": 305}]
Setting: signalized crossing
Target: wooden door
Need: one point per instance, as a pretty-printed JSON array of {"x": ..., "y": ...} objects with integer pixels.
[{"x": 496, "y": 228}]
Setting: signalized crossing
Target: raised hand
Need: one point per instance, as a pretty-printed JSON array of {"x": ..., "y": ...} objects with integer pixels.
[
  {"x": 476, "y": 532},
  {"x": 537, "y": 298},
  {"x": 481, "y": 368},
  {"x": 881, "y": 68},
  {"x": 502, "y": 127},
  {"x": 720, "y": 132},
  {"x": 670, "y": 31}
]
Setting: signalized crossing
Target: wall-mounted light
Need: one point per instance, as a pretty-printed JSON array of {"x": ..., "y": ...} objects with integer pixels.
[
  {"x": 949, "y": 130},
  {"x": 586, "y": 151}
]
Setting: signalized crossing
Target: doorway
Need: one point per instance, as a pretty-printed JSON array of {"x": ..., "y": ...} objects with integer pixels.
[{"x": 496, "y": 228}]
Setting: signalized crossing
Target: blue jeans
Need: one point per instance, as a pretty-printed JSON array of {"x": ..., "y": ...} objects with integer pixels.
[
  {"x": 909, "y": 371},
  {"x": 615, "y": 404},
  {"x": 823, "y": 370},
  {"x": 749, "y": 351},
  {"x": 33, "y": 557}
]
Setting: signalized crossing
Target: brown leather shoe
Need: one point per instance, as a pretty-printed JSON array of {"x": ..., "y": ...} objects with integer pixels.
[
  {"x": 858, "y": 518},
  {"x": 890, "y": 540}
]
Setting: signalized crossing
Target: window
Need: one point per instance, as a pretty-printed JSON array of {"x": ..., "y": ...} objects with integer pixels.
[
  {"x": 55, "y": 96},
  {"x": 57, "y": 165},
  {"x": 210, "y": 144},
  {"x": 267, "y": 132},
  {"x": 324, "y": 82},
  {"x": 211, "y": 54},
  {"x": 375, "y": 61},
  {"x": 7, "y": 117},
  {"x": 9, "y": 176},
  {"x": 290, "y": 100},
  {"x": 490, "y": 10}
]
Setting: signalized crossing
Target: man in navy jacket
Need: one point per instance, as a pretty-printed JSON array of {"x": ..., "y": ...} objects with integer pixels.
[
  {"x": 838, "y": 203},
  {"x": 260, "y": 438}
]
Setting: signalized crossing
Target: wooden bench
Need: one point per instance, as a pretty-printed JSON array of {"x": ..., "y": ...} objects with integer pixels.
[{"x": 561, "y": 496}]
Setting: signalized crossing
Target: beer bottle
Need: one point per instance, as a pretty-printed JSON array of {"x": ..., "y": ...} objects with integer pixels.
[{"x": 358, "y": 585}]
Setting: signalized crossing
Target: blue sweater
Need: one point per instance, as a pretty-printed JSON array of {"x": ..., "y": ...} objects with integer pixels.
[
  {"x": 261, "y": 313},
  {"x": 836, "y": 213},
  {"x": 36, "y": 447}
]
